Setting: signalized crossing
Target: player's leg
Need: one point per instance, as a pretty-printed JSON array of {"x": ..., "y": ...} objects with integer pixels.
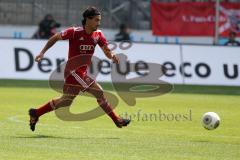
[
  {"x": 63, "y": 101},
  {"x": 69, "y": 93},
  {"x": 36, "y": 113},
  {"x": 96, "y": 90}
]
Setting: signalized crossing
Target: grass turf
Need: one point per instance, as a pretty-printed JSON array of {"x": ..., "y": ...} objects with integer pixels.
[{"x": 145, "y": 138}]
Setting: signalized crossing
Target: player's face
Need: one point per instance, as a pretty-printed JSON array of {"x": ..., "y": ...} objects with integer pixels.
[{"x": 94, "y": 23}]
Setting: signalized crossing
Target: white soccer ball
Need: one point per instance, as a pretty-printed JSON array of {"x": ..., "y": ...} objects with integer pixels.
[{"x": 210, "y": 120}]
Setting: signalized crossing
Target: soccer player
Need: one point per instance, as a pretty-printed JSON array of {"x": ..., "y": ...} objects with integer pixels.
[{"x": 82, "y": 41}]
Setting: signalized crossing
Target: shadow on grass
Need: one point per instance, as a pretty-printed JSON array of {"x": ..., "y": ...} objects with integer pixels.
[
  {"x": 58, "y": 137},
  {"x": 215, "y": 142},
  {"x": 202, "y": 141}
]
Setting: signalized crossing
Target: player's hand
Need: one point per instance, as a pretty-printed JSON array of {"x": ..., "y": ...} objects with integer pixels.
[
  {"x": 39, "y": 57},
  {"x": 115, "y": 59}
]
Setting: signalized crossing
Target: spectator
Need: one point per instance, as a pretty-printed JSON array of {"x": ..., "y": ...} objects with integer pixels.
[
  {"x": 123, "y": 34},
  {"x": 232, "y": 40},
  {"x": 47, "y": 28}
]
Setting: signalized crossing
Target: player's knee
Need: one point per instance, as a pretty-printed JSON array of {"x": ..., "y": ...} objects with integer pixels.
[{"x": 65, "y": 101}]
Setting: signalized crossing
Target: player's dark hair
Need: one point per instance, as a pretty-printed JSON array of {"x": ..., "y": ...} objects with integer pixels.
[{"x": 90, "y": 12}]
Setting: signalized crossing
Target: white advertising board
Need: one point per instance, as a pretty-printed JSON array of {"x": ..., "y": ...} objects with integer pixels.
[{"x": 202, "y": 65}]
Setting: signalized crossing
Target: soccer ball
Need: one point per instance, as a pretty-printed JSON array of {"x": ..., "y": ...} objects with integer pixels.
[{"x": 210, "y": 120}]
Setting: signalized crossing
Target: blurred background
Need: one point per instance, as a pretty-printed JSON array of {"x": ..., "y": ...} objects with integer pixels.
[{"x": 22, "y": 18}]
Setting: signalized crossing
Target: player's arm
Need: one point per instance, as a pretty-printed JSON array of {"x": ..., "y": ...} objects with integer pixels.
[
  {"x": 109, "y": 54},
  {"x": 48, "y": 45},
  {"x": 102, "y": 42}
]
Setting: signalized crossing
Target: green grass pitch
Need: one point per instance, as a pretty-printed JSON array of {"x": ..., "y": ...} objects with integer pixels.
[{"x": 99, "y": 139}]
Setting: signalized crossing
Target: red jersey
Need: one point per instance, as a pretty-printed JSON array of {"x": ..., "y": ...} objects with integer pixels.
[{"x": 82, "y": 44}]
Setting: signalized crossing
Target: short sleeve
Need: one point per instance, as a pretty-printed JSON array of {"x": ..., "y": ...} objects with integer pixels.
[
  {"x": 67, "y": 33},
  {"x": 102, "y": 40}
]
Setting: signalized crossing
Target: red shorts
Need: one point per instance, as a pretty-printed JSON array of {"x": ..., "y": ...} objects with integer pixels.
[{"x": 76, "y": 83}]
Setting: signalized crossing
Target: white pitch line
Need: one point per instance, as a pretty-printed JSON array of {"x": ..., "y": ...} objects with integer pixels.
[{"x": 15, "y": 119}]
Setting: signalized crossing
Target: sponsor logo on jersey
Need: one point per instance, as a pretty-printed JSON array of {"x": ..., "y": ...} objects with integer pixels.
[
  {"x": 81, "y": 39},
  {"x": 86, "y": 47}
]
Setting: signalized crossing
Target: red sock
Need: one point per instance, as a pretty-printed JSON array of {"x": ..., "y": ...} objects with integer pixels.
[
  {"x": 45, "y": 108},
  {"x": 108, "y": 109}
]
